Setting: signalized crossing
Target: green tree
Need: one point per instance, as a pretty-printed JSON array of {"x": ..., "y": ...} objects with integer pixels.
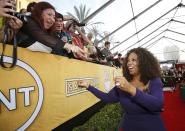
[{"x": 81, "y": 12}]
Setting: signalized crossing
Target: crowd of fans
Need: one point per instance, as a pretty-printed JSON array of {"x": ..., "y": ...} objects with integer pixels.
[
  {"x": 41, "y": 28},
  {"x": 173, "y": 76}
]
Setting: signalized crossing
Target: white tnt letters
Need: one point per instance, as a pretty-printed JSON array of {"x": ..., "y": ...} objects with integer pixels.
[
  {"x": 26, "y": 92},
  {"x": 11, "y": 105}
]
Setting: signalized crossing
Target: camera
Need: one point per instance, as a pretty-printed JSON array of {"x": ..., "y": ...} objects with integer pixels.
[
  {"x": 78, "y": 24},
  {"x": 20, "y": 16}
]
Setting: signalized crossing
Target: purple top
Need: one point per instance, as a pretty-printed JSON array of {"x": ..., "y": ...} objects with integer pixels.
[{"x": 143, "y": 106}]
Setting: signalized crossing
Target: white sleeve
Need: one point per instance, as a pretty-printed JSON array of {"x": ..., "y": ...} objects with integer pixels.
[{"x": 37, "y": 46}]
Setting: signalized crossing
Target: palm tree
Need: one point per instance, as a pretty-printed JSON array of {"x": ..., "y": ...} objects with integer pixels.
[{"x": 80, "y": 13}]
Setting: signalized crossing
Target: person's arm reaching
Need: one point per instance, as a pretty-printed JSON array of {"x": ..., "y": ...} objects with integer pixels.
[
  {"x": 111, "y": 97},
  {"x": 35, "y": 32}
]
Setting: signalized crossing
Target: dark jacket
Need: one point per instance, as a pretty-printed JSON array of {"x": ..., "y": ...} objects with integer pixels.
[
  {"x": 9, "y": 33},
  {"x": 32, "y": 32}
]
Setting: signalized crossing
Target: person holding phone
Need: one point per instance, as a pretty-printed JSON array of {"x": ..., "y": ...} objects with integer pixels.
[{"x": 139, "y": 92}]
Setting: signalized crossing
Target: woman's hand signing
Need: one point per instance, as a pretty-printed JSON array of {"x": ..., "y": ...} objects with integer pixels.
[{"x": 83, "y": 84}]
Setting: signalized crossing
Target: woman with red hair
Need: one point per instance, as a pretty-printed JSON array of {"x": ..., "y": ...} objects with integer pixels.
[{"x": 35, "y": 33}]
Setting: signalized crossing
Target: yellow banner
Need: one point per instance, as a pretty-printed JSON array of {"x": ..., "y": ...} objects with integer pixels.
[{"x": 41, "y": 92}]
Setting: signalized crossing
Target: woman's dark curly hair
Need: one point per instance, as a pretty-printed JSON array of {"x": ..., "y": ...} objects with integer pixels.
[{"x": 148, "y": 65}]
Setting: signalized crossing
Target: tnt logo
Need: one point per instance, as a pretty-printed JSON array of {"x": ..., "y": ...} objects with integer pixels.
[
  {"x": 21, "y": 96},
  {"x": 11, "y": 104}
]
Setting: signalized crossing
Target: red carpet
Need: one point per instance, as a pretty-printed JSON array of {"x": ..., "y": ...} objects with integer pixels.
[{"x": 174, "y": 111}]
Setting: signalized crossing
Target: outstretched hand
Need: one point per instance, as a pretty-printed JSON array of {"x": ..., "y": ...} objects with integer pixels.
[
  {"x": 83, "y": 84},
  {"x": 79, "y": 52}
]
